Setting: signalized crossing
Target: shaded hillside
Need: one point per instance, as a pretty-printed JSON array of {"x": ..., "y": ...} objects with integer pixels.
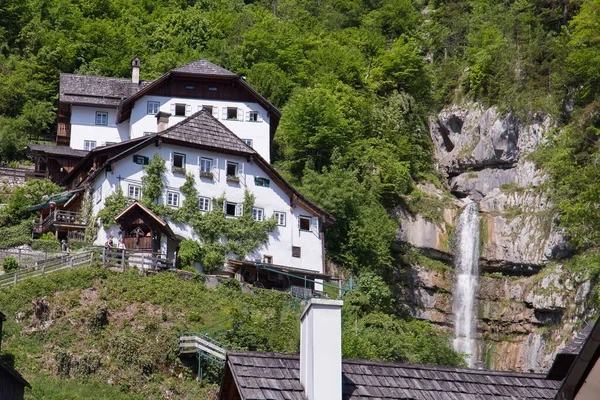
[{"x": 115, "y": 334}]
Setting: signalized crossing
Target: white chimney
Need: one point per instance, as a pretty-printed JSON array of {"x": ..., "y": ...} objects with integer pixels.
[
  {"x": 162, "y": 121},
  {"x": 135, "y": 70},
  {"x": 321, "y": 349}
]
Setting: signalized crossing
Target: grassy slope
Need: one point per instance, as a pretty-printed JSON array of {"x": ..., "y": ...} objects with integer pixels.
[{"x": 132, "y": 353}]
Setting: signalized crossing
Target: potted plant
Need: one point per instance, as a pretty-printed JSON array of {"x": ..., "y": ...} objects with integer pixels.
[
  {"x": 206, "y": 174},
  {"x": 178, "y": 170},
  {"x": 233, "y": 178}
]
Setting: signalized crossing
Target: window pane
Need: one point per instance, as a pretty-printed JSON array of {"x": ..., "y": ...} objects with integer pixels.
[
  {"x": 230, "y": 209},
  {"x": 231, "y": 169},
  {"x": 205, "y": 164},
  {"x": 231, "y": 113},
  {"x": 180, "y": 109},
  {"x": 153, "y": 107},
  {"x": 179, "y": 160},
  {"x": 305, "y": 223}
]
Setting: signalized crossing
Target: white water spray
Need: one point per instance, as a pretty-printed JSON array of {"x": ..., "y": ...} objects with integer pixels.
[{"x": 467, "y": 276}]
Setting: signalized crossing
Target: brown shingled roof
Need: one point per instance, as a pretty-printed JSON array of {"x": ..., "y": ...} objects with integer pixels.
[
  {"x": 277, "y": 376},
  {"x": 204, "y": 130}
]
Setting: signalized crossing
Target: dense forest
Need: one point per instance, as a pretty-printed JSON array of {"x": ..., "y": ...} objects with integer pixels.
[{"x": 357, "y": 81}]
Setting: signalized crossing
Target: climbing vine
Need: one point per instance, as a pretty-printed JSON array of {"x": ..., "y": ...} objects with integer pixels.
[
  {"x": 113, "y": 205},
  {"x": 220, "y": 237},
  {"x": 86, "y": 212}
]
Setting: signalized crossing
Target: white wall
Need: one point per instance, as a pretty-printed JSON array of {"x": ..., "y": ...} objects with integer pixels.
[
  {"x": 270, "y": 199},
  {"x": 83, "y": 127},
  {"x": 141, "y": 122}
]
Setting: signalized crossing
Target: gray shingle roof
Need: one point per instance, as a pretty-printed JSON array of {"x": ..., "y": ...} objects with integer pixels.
[
  {"x": 574, "y": 347},
  {"x": 277, "y": 376},
  {"x": 96, "y": 90},
  {"x": 57, "y": 150},
  {"x": 202, "y": 129},
  {"x": 203, "y": 67}
]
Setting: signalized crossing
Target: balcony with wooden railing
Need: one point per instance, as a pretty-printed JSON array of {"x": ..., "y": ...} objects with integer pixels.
[{"x": 60, "y": 218}]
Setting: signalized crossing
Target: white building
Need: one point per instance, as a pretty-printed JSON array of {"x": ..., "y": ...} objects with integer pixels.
[
  {"x": 222, "y": 166},
  {"x": 98, "y": 111}
]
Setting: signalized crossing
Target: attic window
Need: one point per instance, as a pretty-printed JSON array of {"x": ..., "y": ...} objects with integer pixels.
[
  {"x": 305, "y": 223},
  {"x": 296, "y": 251},
  {"x": 208, "y": 108},
  {"x": 190, "y": 87},
  {"x": 212, "y": 89},
  {"x": 232, "y": 113},
  {"x": 180, "y": 110}
]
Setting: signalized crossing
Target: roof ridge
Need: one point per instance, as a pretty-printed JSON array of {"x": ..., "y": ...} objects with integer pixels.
[{"x": 97, "y": 76}]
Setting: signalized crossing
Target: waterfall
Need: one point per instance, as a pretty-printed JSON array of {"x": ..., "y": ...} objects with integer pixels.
[{"x": 467, "y": 275}]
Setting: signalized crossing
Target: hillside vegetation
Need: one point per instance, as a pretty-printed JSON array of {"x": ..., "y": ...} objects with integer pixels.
[
  {"x": 95, "y": 333},
  {"x": 357, "y": 82}
]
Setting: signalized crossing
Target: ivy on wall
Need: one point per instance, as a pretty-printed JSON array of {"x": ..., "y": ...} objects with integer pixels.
[{"x": 219, "y": 236}]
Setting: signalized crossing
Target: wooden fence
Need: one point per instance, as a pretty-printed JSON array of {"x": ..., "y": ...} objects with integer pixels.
[
  {"x": 28, "y": 258},
  {"x": 37, "y": 266},
  {"x": 84, "y": 258},
  {"x": 145, "y": 261}
]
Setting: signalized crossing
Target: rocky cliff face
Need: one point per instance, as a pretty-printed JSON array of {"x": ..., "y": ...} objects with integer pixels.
[{"x": 526, "y": 309}]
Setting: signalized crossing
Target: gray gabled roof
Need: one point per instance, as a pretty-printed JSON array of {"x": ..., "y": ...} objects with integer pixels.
[
  {"x": 96, "y": 90},
  {"x": 204, "y": 130},
  {"x": 64, "y": 151},
  {"x": 277, "y": 376},
  {"x": 203, "y": 67}
]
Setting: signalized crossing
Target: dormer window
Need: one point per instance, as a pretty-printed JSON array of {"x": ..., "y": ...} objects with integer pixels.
[
  {"x": 253, "y": 116},
  {"x": 101, "y": 118}
]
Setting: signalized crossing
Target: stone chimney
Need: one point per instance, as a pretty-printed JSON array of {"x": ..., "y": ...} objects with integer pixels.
[
  {"x": 135, "y": 70},
  {"x": 162, "y": 121},
  {"x": 321, "y": 349}
]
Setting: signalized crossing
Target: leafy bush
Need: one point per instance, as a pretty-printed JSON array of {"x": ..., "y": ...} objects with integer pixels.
[
  {"x": 51, "y": 246},
  {"x": 25, "y": 196},
  {"x": 11, "y": 236},
  {"x": 189, "y": 251},
  {"x": 10, "y": 264}
]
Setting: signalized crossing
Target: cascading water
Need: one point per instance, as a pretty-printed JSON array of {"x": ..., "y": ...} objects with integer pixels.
[{"x": 467, "y": 276}]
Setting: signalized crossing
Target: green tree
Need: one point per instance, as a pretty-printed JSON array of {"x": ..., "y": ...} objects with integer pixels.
[{"x": 22, "y": 197}]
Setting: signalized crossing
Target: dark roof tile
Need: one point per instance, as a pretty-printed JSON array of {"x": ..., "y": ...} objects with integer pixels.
[
  {"x": 57, "y": 150},
  {"x": 203, "y": 67},
  {"x": 278, "y": 375}
]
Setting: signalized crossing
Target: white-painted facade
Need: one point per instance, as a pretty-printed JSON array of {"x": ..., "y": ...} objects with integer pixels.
[
  {"x": 285, "y": 236},
  {"x": 84, "y": 127},
  {"x": 251, "y": 121}
]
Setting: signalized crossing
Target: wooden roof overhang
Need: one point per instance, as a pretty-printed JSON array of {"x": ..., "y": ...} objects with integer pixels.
[
  {"x": 300, "y": 273},
  {"x": 124, "y": 112},
  {"x": 137, "y": 214}
]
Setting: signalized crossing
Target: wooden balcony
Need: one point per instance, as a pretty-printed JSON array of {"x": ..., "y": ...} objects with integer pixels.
[{"x": 60, "y": 218}]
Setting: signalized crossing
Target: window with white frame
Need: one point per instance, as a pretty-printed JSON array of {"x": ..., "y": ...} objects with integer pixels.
[
  {"x": 279, "y": 217},
  {"x": 179, "y": 160},
  {"x": 135, "y": 192},
  {"x": 232, "y": 113},
  {"x": 258, "y": 214},
  {"x": 234, "y": 209},
  {"x": 304, "y": 223},
  {"x": 206, "y": 164},
  {"x": 232, "y": 169},
  {"x": 173, "y": 199},
  {"x": 89, "y": 145},
  {"x": 153, "y": 107},
  {"x": 249, "y": 142},
  {"x": 207, "y": 108},
  {"x": 253, "y": 116},
  {"x": 101, "y": 118},
  {"x": 204, "y": 204},
  {"x": 180, "y": 109}
]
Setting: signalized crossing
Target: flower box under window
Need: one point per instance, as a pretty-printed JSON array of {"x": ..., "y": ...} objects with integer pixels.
[
  {"x": 233, "y": 179},
  {"x": 206, "y": 174},
  {"x": 178, "y": 170}
]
